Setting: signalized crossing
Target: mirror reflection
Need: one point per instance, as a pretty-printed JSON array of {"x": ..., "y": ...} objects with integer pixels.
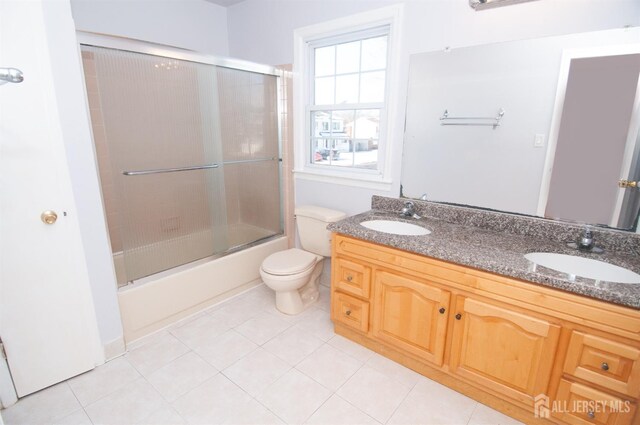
[{"x": 545, "y": 127}]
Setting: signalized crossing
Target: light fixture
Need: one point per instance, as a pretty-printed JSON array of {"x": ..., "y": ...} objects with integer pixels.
[
  {"x": 10, "y": 75},
  {"x": 490, "y": 4}
]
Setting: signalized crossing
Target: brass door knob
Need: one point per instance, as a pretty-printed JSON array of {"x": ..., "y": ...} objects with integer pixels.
[
  {"x": 628, "y": 184},
  {"x": 49, "y": 217}
]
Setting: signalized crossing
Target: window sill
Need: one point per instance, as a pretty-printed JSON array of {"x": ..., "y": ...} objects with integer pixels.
[{"x": 375, "y": 182}]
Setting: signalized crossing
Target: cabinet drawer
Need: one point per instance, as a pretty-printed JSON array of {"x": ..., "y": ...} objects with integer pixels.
[
  {"x": 582, "y": 405},
  {"x": 350, "y": 311},
  {"x": 352, "y": 278},
  {"x": 607, "y": 363}
]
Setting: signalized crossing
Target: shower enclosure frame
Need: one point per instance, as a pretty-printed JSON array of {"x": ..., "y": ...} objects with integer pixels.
[{"x": 154, "y": 49}]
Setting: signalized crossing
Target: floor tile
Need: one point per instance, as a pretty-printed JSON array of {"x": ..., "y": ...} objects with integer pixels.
[
  {"x": 293, "y": 345},
  {"x": 318, "y": 323},
  {"x": 129, "y": 405},
  {"x": 212, "y": 402},
  {"x": 402, "y": 374},
  {"x": 373, "y": 393},
  {"x": 256, "y": 371},
  {"x": 349, "y": 347},
  {"x": 337, "y": 411},
  {"x": 430, "y": 402},
  {"x": 262, "y": 328},
  {"x": 294, "y": 397},
  {"x": 238, "y": 311},
  {"x": 181, "y": 376},
  {"x": 157, "y": 353},
  {"x": 165, "y": 415},
  {"x": 103, "y": 380},
  {"x": 252, "y": 413},
  {"x": 79, "y": 417},
  {"x": 484, "y": 415},
  {"x": 201, "y": 330},
  {"x": 329, "y": 366},
  {"x": 46, "y": 405},
  {"x": 324, "y": 301},
  {"x": 224, "y": 350}
]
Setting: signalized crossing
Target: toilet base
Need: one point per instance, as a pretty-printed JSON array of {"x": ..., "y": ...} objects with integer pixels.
[{"x": 296, "y": 301}]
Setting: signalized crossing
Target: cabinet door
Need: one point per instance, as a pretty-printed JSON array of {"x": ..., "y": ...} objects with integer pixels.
[
  {"x": 410, "y": 314},
  {"x": 506, "y": 350}
]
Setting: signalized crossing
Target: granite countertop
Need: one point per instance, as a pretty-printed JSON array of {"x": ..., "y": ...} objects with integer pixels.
[{"x": 496, "y": 251}]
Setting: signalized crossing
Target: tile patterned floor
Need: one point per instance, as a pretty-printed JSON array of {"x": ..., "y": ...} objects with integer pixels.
[{"x": 243, "y": 362}]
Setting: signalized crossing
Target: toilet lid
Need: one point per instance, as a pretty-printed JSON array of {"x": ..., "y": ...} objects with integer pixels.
[{"x": 288, "y": 262}]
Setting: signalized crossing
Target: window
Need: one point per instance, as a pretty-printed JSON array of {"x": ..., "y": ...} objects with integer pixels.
[
  {"x": 348, "y": 77},
  {"x": 348, "y": 98}
]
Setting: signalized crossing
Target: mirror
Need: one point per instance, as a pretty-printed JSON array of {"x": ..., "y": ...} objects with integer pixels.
[{"x": 542, "y": 127}]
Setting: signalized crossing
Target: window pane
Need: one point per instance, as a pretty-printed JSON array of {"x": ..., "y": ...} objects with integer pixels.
[
  {"x": 325, "y": 59},
  {"x": 348, "y": 57},
  {"x": 323, "y": 93},
  {"x": 347, "y": 89},
  {"x": 342, "y": 139},
  {"x": 366, "y": 135},
  {"x": 367, "y": 124},
  {"x": 374, "y": 53},
  {"x": 320, "y": 122},
  {"x": 372, "y": 86},
  {"x": 366, "y": 154}
]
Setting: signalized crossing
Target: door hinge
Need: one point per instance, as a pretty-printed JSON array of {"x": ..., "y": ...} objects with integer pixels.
[{"x": 2, "y": 352}]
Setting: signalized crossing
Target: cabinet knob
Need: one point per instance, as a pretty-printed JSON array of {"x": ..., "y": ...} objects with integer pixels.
[
  {"x": 458, "y": 316},
  {"x": 604, "y": 366},
  {"x": 442, "y": 310},
  {"x": 349, "y": 278},
  {"x": 591, "y": 414},
  {"x": 348, "y": 312}
]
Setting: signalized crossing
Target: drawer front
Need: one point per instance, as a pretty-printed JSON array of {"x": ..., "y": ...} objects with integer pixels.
[
  {"x": 607, "y": 363},
  {"x": 582, "y": 405},
  {"x": 352, "y": 278},
  {"x": 350, "y": 311}
]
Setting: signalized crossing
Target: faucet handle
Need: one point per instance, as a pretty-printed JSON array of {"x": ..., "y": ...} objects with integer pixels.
[{"x": 586, "y": 240}]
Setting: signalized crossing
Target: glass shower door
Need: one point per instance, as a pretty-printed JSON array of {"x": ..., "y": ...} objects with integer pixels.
[{"x": 157, "y": 131}]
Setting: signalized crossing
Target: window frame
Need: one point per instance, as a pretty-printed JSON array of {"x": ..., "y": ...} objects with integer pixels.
[{"x": 355, "y": 27}]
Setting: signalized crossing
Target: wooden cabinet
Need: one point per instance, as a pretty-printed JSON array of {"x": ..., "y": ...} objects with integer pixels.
[
  {"x": 580, "y": 404},
  {"x": 410, "y": 314},
  {"x": 503, "y": 348},
  {"x": 507, "y": 343},
  {"x": 610, "y": 364}
]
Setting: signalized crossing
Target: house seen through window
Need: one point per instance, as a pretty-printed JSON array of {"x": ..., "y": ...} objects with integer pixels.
[{"x": 348, "y": 99}]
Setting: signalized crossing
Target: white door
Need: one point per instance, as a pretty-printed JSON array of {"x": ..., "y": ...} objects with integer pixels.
[{"x": 47, "y": 320}]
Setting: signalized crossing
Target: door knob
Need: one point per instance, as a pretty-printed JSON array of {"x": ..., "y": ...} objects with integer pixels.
[
  {"x": 49, "y": 217},
  {"x": 628, "y": 184}
]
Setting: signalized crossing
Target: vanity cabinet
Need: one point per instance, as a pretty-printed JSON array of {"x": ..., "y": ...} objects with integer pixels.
[
  {"x": 506, "y": 349},
  {"x": 505, "y": 342},
  {"x": 410, "y": 314}
]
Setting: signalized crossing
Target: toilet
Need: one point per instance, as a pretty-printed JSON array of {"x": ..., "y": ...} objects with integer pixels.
[{"x": 293, "y": 274}]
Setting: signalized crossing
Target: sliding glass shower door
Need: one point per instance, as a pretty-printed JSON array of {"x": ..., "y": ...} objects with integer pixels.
[{"x": 188, "y": 156}]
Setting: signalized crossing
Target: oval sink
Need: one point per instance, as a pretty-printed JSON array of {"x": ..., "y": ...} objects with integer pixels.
[
  {"x": 395, "y": 227},
  {"x": 583, "y": 267}
]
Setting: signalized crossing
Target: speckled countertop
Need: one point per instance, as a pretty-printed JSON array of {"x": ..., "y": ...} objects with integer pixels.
[{"x": 492, "y": 248}]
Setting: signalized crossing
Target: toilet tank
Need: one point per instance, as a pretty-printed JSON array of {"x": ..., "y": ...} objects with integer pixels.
[{"x": 312, "y": 224}]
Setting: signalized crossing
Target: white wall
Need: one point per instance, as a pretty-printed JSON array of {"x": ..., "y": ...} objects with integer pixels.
[
  {"x": 189, "y": 24},
  {"x": 262, "y": 30}
]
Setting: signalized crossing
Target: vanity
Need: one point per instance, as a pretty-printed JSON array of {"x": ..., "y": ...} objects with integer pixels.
[{"x": 462, "y": 306}]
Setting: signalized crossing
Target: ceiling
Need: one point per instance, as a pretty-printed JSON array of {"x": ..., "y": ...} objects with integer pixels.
[{"x": 225, "y": 3}]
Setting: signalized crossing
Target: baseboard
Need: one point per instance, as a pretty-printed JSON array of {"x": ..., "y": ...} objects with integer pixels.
[{"x": 115, "y": 348}]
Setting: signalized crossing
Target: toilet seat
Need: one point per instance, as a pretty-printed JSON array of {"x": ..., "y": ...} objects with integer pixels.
[{"x": 289, "y": 262}]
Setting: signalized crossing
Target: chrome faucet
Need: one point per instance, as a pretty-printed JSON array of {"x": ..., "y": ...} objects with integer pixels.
[
  {"x": 409, "y": 210},
  {"x": 586, "y": 241}
]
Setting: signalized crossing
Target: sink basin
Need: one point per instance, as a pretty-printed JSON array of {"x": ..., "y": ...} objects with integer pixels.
[
  {"x": 588, "y": 268},
  {"x": 395, "y": 227}
]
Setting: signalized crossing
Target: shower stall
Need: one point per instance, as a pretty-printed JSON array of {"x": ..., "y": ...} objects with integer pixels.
[{"x": 188, "y": 152}]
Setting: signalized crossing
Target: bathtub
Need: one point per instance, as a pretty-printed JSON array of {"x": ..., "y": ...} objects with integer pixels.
[{"x": 154, "y": 302}]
